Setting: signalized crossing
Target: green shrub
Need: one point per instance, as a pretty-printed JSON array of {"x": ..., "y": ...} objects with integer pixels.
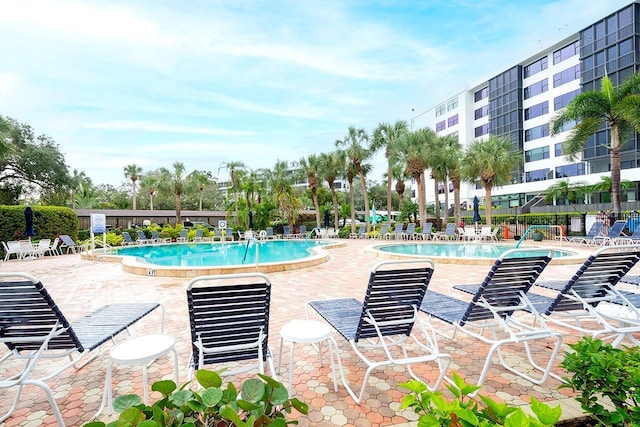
[
  {"x": 261, "y": 402},
  {"x": 463, "y": 411},
  {"x": 600, "y": 370}
]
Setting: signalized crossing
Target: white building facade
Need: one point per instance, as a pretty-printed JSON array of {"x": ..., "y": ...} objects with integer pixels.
[{"x": 521, "y": 101}]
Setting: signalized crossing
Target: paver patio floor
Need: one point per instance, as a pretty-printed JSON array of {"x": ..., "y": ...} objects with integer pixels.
[{"x": 80, "y": 286}]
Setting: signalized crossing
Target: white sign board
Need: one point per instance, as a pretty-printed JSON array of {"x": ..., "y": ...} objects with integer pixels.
[
  {"x": 98, "y": 223},
  {"x": 222, "y": 224}
]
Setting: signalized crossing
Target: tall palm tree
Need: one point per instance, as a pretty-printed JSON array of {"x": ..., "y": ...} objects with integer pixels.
[
  {"x": 150, "y": 182},
  {"x": 401, "y": 175},
  {"x": 132, "y": 172},
  {"x": 236, "y": 171},
  {"x": 77, "y": 178},
  {"x": 287, "y": 203},
  {"x": 451, "y": 161},
  {"x": 412, "y": 149},
  {"x": 310, "y": 166},
  {"x": 174, "y": 181},
  {"x": 355, "y": 148},
  {"x": 572, "y": 192},
  {"x": 332, "y": 166},
  {"x": 492, "y": 162},
  {"x": 199, "y": 180},
  {"x": 618, "y": 109},
  {"x": 385, "y": 136}
]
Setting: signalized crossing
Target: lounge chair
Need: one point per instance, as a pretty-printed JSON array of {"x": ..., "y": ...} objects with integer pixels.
[
  {"x": 155, "y": 236},
  {"x": 68, "y": 244},
  {"x": 634, "y": 238},
  {"x": 594, "y": 231},
  {"x": 229, "y": 318},
  {"x": 590, "y": 303},
  {"x": 614, "y": 232},
  {"x": 385, "y": 319},
  {"x": 448, "y": 234},
  {"x": 486, "y": 233},
  {"x": 27, "y": 250},
  {"x": 398, "y": 231},
  {"x": 126, "y": 239},
  {"x": 360, "y": 233},
  {"x": 410, "y": 232},
  {"x": 384, "y": 229},
  {"x": 270, "y": 234},
  {"x": 42, "y": 247},
  {"x": 425, "y": 231},
  {"x": 199, "y": 235},
  {"x": 468, "y": 233},
  {"x": 302, "y": 234},
  {"x": 286, "y": 232},
  {"x": 34, "y": 327},
  {"x": 53, "y": 249},
  {"x": 489, "y": 318},
  {"x": 184, "y": 235},
  {"x": 13, "y": 248},
  {"x": 142, "y": 238}
]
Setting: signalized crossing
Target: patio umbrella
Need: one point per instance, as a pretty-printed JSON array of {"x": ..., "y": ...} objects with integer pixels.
[
  {"x": 374, "y": 217},
  {"x": 28, "y": 217},
  {"x": 476, "y": 209},
  {"x": 326, "y": 218},
  {"x": 250, "y": 220}
]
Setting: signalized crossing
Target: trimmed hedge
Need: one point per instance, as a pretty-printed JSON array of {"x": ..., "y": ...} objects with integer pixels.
[{"x": 49, "y": 222}]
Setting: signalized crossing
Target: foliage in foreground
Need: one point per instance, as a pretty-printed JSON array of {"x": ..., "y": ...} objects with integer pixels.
[
  {"x": 463, "y": 411},
  {"x": 261, "y": 402},
  {"x": 600, "y": 370}
]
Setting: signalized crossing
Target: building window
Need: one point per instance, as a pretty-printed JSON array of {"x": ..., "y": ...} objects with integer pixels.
[
  {"x": 441, "y": 126},
  {"x": 481, "y": 94},
  {"x": 452, "y": 121},
  {"x": 566, "y": 52},
  {"x": 481, "y": 112},
  {"x": 558, "y": 149},
  {"x": 538, "y": 175},
  {"x": 536, "y": 67},
  {"x": 536, "y": 110},
  {"x": 566, "y": 171},
  {"x": 567, "y": 126},
  {"x": 566, "y": 76},
  {"x": 482, "y": 130},
  {"x": 441, "y": 109},
  {"x": 536, "y": 89},
  {"x": 559, "y": 102},
  {"x": 536, "y": 132},
  {"x": 452, "y": 104},
  {"x": 536, "y": 154}
]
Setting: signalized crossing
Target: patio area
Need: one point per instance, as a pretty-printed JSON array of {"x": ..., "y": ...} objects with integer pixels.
[{"x": 80, "y": 286}]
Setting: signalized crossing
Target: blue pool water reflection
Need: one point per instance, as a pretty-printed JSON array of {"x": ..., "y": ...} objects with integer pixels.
[
  {"x": 223, "y": 254},
  {"x": 460, "y": 250}
]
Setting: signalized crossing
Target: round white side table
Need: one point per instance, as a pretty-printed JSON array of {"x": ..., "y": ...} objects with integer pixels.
[
  {"x": 309, "y": 332},
  {"x": 138, "y": 351}
]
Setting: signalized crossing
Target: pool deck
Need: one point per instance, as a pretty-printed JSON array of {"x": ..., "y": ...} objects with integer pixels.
[{"x": 80, "y": 286}]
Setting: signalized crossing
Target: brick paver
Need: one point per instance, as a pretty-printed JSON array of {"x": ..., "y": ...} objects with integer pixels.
[{"x": 80, "y": 286}]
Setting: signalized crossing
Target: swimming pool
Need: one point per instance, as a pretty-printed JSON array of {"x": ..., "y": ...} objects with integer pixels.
[
  {"x": 470, "y": 253},
  {"x": 205, "y": 258}
]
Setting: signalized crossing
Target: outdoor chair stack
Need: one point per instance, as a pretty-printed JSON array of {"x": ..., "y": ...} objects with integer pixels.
[
  {"x": 32, "y": 326},
  {"x": 489, "y": 316},
  {"x": 229, "y": 321},
  {"x": 385, "y": 320}
]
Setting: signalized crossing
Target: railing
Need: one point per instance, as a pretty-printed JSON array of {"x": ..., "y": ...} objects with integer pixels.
[{"x": 533, "y": 227}]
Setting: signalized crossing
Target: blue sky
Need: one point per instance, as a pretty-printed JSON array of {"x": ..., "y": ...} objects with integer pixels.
[{"x": 207, "y": 82}]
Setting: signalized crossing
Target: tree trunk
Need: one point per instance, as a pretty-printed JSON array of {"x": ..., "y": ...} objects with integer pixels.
[
  {"x": 133, "y": 187},
  {"x": 314, "y": 193},
  {"x": 389, "y": 182},
  {"x": 437, "y": 202},
  {"x": 487, "y": 190},
  {"x": 178, "y": 210},
  {"x": 615, "y": 170},
  {"x": 446, "y": 201},
  {"x": 200, "y": 204},
  {"x": 421, "y": 197},
  {"x": 352, "y": 201},
  {"x": 456, "y": 201},
  {"x": 336, "y": 213},
  {"x": 366, "y": 200}
]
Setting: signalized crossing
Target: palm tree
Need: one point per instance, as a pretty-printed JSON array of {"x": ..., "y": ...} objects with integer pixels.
[
  {"x": 617, "y": 108},
  {"x": 332, "y": 165},
  {"x": 572, "y": 192},
  {"x": 412, "y": 149},
  {"x": 76, "y": 181},
  {"x": 236, "y": 171},
  {"x": 385, "y": 136},
  {"x": 451, "y": 160},
  {"x": 174, "y": 181},
  {"x": 199, "y": 179},
  {"x": 132, "y": 172},
  {"x": 150, "y": 182},
  {"x": 401, "y": 175},
  {"x": 310, "y": 166},
  {"x": 287, "y": 203},
  {"x": 492, "y": 162},
  {"x": 605, "y": 185},
  {"x": 355, "y": 149}
]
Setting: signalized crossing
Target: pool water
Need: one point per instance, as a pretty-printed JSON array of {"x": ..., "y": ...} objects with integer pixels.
[
  {"x": 462, "y": 250},
  {"x": 223, "y": 254}
]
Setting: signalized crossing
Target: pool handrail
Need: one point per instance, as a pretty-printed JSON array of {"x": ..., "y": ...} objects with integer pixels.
[{"x": 533, "y": 227}]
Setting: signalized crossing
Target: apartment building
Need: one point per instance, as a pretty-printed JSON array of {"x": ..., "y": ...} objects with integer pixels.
[{"x": 520, "y": 102}]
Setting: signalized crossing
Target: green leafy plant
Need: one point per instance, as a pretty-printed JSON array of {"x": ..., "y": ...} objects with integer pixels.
[
  {"x": 602, "y": 371},
  {"x": 463, "y": 411},
  {"x": 261, "y": 402}
]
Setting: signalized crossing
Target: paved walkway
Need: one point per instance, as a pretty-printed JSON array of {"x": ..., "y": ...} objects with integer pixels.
[{"x": 79, "y": 286}]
